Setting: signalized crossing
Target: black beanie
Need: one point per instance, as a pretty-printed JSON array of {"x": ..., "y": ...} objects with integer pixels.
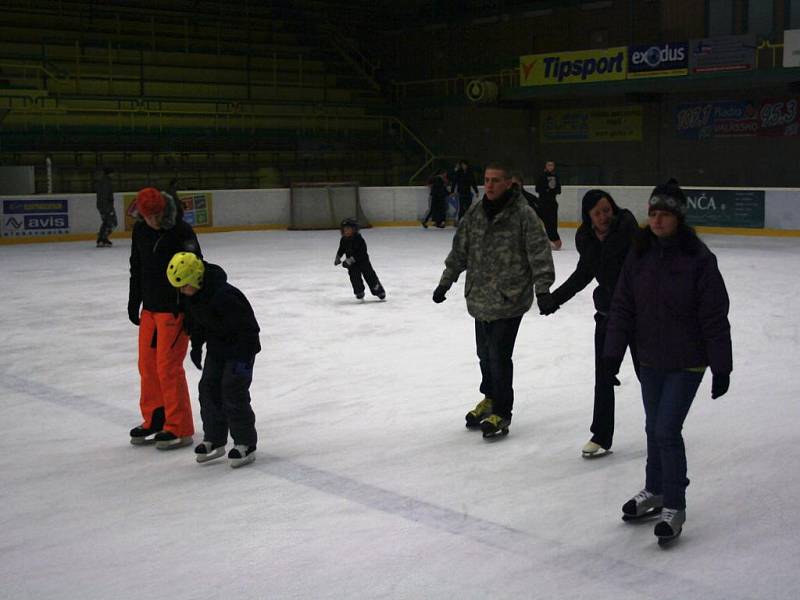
[
  {"x": 669, "y": 197},
  {"x": 590, "y": 200}
]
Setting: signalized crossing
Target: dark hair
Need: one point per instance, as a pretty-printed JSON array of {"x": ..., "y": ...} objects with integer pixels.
[
  {"x": 498, "y": 166},
  {"x": 590, "y": 199},
  {"x": 518, "y": 175}
]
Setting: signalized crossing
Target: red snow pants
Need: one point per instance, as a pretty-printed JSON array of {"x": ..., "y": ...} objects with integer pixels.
[{"x": 162, "y": 349}]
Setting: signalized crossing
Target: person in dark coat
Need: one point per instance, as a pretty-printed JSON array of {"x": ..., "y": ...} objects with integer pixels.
[
  {"x": 548, "y": 186},
  {"x": 438, "y": 196},
  {"x": 219, "y": 316},
  {"x": 464, "y": 187},
  {"x": 672, "y": 300},
  {"x": 353, "y": 247},
  {"x": 164, "y": 398},
  {"x": 603, "y": 239},
  {"x": 172, "y": 190},
  {"x": 105, "y": 206},
  {"x": 533, "y": 200}
]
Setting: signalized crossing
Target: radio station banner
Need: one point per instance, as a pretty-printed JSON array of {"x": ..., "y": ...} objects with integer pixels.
[
  {"x": 791, "y": 48},
  {"x": 727, "y": 53},
  {"x": 28, "y": 218},
  {"x": 586, "y": 66},
  {"x": 197, "y": 209},
  {"x": 725, "y": 208},
  {"x": 665, "y": 60},
  {"x": 612, "y": 124},
  {"x": 742, "y": 118}
]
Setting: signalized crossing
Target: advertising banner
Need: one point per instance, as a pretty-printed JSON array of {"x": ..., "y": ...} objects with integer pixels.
[
  {"x": 778, "y": 117},
  {"x": 728, "y": 53},
  {"x": 725, "y": 208},
  {"x": 27, "y": 218},
  {"x": 612, "y": 124},
  {"x": 197, "y": 209},
  {"x": 791, "y": 48},
  {"x": 586, "y": 66},
  {"x": 665, "y": 60}
]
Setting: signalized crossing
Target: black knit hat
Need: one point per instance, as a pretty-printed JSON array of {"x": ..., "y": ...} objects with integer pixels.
[
  {"x": 669, "y": 197},
  {"x": 590, "y": 200}
]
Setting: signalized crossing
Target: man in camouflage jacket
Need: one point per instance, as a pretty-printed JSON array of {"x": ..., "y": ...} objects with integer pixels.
[{"x": 503, "y": 247}]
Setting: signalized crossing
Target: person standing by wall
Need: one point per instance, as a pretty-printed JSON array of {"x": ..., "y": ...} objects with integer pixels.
[
  {"x": 438, "y": 199},
  {"x": 603, "y": 240},
  {"x": 463, "y": 186},
  {"x": 164, "y": 397},
  {"x": 502, "y": 246},
  {"x": 672, "y": 299},
  {"x": 548, "y": 186},
  {"x": 105, "y": 206}
]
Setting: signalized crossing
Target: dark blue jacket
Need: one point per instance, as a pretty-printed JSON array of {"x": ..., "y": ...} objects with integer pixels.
[
  {"x": 220, "y": 315},
  {"x": 672, "y": 300}
]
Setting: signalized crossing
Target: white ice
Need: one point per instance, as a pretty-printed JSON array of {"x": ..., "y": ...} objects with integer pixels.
[{"x": 367, "y": 484}]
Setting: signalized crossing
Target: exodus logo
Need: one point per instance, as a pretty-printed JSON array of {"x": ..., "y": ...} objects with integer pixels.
[
  {"x": 582, "y": 67},
  {"x": 656, "y": 55}
]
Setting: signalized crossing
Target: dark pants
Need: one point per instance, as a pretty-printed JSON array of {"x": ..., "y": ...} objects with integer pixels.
[
  {"x": 548, "y": 210},
  {"x": 225, "y": 401},
  {"x": 437, "y": 211},
  {"x": 364, "y": 269},
  {"x": 667, "y": 397},
  {"x": 464, "y": 202},
  {"x": 603, "y": 416},
  {"x": 109, "y": 223},
  {"x": 495, "y": 344}
]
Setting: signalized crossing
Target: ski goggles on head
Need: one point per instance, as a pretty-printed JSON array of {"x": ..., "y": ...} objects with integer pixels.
[{"x": 662, "y": 202}]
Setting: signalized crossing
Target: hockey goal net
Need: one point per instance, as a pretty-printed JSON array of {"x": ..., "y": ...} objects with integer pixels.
[{"x": 324, "y": 205}]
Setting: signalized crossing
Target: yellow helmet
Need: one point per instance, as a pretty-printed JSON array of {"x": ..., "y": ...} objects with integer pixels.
[{"x": 186, "y": 269}]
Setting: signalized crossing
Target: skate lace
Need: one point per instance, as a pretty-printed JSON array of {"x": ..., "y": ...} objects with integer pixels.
[
  {"x": 668, "y": 514},
  {"x": 642, "y": 496}
]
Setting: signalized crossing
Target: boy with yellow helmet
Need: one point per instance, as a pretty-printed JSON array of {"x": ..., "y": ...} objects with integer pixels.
[{"x": 220, "y": 316}]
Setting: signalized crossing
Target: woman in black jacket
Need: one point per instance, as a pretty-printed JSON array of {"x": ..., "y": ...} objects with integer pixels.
[{"x": 603, "y": 241}]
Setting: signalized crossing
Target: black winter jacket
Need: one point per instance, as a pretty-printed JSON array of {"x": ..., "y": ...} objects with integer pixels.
[
  {"x": 355, "y": 247},
  {"x": 220, "y": 316},
  {"x": 151, "y": 251},
  {"x": 464, "y": 183},
  {"x": 548, "y": 186},
  {"x": 601, "y": 260}
]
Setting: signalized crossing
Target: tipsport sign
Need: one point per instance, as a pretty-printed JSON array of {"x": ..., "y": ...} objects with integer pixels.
[
  {"x": 29, "y": 218},
  {"x": 665, "y": 60},
  {"x": 585, "y": 66}
]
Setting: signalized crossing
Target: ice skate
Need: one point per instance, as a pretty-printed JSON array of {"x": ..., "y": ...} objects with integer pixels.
[
  {"x": 241, "y": 455},
  {"x": 142, "y": 435},
  {"x": 670, "y": 525},
  {"x": 643, "y": 505},
  {"x": 360, "y": 297},
  {"x": 594, "y": 450},
  {"x": 482, "y": 410},
  {"x": 166, "y": 440},
  {"x": 494, "y": 426},
  {"x": 206, "y": 451},
  {"x": 379, "y": 292}
]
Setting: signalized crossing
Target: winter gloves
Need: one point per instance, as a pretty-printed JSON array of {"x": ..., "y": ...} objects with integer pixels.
[
  {"x": 719, "y": 384},
  {"x": 196, "y": 354},
  {"x": 337, "y": 261},
  {"x": 547, "y": 303},
  {"x": 439, "y": 294},
  {"x": 133, "y": 312}
]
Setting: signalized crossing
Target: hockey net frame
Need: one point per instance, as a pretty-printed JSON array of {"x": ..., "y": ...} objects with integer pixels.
[{"x": 331, "y": 207}]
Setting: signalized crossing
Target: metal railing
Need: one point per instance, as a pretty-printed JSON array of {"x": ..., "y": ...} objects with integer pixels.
[{"x": 450, "y": 86}]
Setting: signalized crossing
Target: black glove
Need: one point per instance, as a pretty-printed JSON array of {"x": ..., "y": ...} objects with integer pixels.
[
  {"x": 719, "y": 384},
  {"x": 547, "y": 304},
  {"x": 133, "y": 312},
  {"x": 439, "y": 294},
  {"x": 196, "y": 355},
  {"x": 611, "y": 366},
  {"x": 337, "y": 261}
]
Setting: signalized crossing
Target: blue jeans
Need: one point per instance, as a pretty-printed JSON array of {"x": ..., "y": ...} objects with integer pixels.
[{"x": 667, "y": 397}]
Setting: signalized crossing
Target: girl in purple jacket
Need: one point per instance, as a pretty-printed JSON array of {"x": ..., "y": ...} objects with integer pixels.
[{"x": 671, "y": 299}]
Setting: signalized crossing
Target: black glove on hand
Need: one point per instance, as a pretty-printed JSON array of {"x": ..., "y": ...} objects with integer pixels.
[
  {"x": 719, "y": 384},
  {"x": 611, "y": 366},
  {"x": 337, "y": 261},
  {"x": 439, "y": 294},
  {"x": 547, "y": 304},
  {"x": 133, "y": 312},
  {"x": 196, "y": 355}
]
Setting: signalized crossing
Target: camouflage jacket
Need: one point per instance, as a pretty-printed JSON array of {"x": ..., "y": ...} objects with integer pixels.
[{"x": 504, "y": 260}]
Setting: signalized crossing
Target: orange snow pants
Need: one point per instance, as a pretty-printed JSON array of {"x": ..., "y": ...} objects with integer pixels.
[{"x": 162, "y": 349}]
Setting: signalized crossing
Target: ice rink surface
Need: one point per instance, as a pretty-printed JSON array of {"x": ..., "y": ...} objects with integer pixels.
[{"x": 367, "y": 485}]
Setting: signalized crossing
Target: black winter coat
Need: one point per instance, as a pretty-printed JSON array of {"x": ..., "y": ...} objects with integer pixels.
[
  {"x": 533, "y": 201},
  {"x": 601, "y": 260},
  {"x": 220, "y": 316},
  {"x": 548, "y": 186},
  {"x": 464, "y": 183},
  {"x": 672, "y": 299},
  {"x": 355, "y": 247},
  {"x": 151, "y": 251}
]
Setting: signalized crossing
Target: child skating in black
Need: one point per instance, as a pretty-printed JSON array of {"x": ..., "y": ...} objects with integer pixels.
[{"x": 356, "y": 261}]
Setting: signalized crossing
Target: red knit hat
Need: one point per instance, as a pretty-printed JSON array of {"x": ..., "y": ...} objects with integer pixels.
[{"x": 149, "y": 202}]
